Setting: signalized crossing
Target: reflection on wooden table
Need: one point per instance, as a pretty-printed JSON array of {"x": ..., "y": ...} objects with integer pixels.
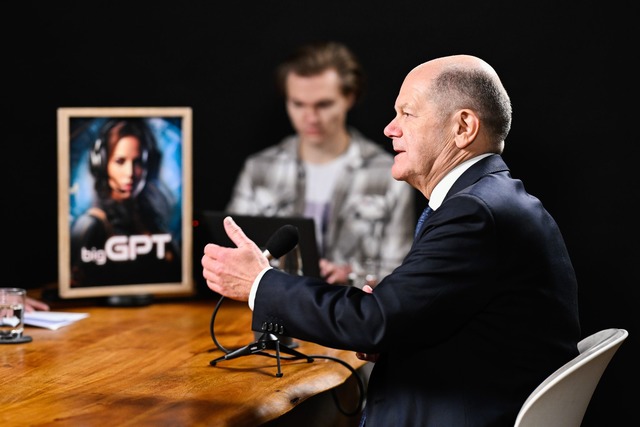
[{"x": 150, "y": 366}]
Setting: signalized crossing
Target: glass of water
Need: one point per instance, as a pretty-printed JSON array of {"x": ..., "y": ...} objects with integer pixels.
[{"x": 12, "y": 306}]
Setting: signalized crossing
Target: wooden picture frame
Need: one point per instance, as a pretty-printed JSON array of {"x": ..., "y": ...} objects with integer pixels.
[{"x": 125, "y": 220}]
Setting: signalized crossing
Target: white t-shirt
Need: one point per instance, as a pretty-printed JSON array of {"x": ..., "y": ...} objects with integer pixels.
[{"x": 321, "y": 180}]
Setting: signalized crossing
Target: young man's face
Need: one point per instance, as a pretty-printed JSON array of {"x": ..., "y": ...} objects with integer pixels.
[{"x": 316, "y": 106}]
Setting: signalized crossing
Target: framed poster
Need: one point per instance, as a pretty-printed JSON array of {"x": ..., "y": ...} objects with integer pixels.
[{"x": 124, "y": 201}]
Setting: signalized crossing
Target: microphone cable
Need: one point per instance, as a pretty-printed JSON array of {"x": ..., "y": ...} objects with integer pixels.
[{"x": 354, "y": 372}]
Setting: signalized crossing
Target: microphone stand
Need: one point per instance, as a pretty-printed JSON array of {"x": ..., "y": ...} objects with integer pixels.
[
  {"x": 267, "y": 341},
  {"x": 283, "y": 240}
]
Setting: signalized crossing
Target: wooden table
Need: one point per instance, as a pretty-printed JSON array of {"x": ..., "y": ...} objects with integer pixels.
[{"x": 149, "y": 366}]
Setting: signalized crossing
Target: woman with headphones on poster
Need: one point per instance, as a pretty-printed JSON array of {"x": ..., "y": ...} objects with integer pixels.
[{"x": 123, "y": 237}]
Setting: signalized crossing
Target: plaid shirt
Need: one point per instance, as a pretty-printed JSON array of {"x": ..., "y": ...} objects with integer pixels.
[{"x": 372, "y": 216}]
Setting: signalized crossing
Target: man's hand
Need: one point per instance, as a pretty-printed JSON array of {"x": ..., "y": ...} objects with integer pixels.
[
  {"x": 231, "y": 271},
  {"x": 366, "y": 356},
  {"x": 33, "y": 304},
  {"x": 334, "y": 273}
]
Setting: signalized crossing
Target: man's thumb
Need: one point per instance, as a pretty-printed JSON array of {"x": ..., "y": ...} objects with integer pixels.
[{"x": 234, "y": 232}]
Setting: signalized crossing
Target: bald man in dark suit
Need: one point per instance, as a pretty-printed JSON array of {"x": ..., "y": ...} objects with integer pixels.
[{"x": 484, "y": 305}]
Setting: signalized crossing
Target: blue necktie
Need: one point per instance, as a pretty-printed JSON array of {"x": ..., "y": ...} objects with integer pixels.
[
  {"x": 423, "y": 217},
  {"x": 363, "y": 419}
]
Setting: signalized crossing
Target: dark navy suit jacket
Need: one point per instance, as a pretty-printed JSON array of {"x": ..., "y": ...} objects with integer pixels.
[{"x": 482, "y": 309}]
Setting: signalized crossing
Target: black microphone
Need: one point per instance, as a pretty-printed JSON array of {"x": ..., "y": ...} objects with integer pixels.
[{"x": 281, "y": 242}]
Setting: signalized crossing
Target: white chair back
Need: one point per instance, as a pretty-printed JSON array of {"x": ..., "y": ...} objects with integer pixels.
[{"x": 561, "y": 400}]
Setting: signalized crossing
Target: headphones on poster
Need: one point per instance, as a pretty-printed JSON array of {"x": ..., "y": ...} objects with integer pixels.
[{"x": 99, "y": 154}]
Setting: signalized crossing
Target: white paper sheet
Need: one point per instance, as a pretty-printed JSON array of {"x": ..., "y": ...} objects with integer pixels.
[{"x": 52, "y": 319}]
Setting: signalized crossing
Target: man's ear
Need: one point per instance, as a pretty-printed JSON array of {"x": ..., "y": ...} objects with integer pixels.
[
  {"x": 467, "y": 128},
  {"x": 351, "y": 100}
]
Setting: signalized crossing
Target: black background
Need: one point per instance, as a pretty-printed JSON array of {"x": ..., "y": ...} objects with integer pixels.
[{"x": 570, "y": 71}]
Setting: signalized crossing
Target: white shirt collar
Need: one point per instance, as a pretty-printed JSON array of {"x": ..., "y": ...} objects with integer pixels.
[{"x": 445, "y": 184}]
